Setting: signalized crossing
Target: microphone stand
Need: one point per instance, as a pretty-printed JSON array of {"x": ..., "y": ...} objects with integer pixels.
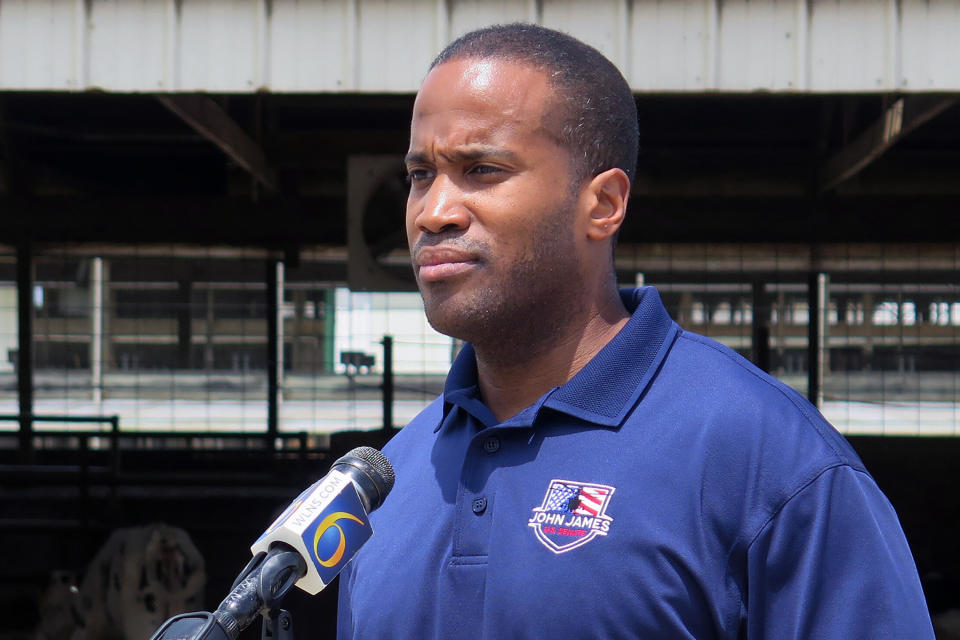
[{"x": 258, "y": 590}]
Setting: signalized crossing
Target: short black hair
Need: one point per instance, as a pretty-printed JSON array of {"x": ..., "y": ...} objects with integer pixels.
[{"x": 597, "y": 112}]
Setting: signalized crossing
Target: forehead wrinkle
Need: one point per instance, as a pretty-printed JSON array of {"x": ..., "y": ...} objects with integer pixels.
[
  {"x": 481, "y": 140},
  {"x": 481, "y": 151},
  {"x": 527, "y": 108},
  {"x": 473, "y": 153}
]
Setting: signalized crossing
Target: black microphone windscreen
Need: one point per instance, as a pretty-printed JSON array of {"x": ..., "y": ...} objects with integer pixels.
[
  {"x": 379, "y": 462},
  {"x": 371, "y": 472}
]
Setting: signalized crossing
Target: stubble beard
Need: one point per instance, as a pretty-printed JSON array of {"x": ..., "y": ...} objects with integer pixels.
[{"x": 526, "y": 309}]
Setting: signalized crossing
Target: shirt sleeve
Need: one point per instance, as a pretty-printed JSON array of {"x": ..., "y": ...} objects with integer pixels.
[{"x": 834, "y": 563}]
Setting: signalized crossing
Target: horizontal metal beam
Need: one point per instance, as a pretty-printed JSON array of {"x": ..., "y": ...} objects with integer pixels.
[
  {"x": 765, "y": 220},
  {"x": 213, "y": 123},
  {"x": 902, "y": 117},
  {"x": 272, "y": 222}
]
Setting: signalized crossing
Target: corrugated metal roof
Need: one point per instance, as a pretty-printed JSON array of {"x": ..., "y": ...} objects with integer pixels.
[{"x": 385, "y": 46}]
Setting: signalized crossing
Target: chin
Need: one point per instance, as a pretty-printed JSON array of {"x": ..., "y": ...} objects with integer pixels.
[
  {"x": 453, "y": 313},
  {"x": 448, "y": 321}
]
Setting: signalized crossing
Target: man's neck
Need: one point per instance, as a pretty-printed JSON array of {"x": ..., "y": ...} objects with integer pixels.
[{"x": 511, "y": 381}]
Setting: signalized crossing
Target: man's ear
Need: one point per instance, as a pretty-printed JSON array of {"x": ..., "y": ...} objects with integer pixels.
[{"x": 609, "y": 192}]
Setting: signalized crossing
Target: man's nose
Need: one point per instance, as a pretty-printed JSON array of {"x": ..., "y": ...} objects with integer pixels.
[{"x": 442, "y": 207}]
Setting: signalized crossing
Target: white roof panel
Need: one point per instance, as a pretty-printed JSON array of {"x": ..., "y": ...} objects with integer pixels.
[
  {"x": 119, "y": 52},
  {"x": 930, "y": 37},
  {"x": 304, "y": 53},
  {"x": 385, "y": 45}
]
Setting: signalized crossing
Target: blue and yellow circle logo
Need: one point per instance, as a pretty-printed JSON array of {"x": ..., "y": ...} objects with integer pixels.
[{"x": 329, "y": 541}]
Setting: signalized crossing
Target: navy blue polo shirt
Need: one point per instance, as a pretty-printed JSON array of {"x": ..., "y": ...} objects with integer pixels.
[{"x": 669, "y": 490}]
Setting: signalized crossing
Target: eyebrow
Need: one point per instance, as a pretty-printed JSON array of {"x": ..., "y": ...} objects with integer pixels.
[{"x": 471, "y": 153}]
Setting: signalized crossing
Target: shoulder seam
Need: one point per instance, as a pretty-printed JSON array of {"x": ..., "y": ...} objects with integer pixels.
[
  {"x": 800, "y": 489},
  {"x": 801, "y": 408},
  {"x": 778, "y": 510}
]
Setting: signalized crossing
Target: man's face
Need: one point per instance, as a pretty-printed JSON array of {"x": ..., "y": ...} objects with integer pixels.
[{"x": 491, "y": 219}]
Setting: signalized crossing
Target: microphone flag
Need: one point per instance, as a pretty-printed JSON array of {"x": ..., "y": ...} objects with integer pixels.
[{"x": 326, "y": 524}]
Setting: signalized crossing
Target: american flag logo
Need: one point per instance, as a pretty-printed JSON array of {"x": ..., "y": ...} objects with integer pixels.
[
  {"x": 571, "y": 514},
  {"x": 581, "y": 499}
]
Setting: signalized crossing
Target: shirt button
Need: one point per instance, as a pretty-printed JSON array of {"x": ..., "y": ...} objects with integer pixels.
[
  {"x": 479, "y": 505},
  {"x": 491, "y": 444}
]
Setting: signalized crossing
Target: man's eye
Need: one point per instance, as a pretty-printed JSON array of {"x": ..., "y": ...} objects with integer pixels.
[
  {"x": 485, "y": 169},
  {"x": 417, "y": 175}
]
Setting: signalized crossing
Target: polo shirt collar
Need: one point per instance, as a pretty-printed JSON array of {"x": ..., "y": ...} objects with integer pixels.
[{"x": 603, "y": 391}]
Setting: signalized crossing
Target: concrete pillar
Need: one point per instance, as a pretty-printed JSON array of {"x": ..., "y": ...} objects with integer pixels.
[
  {"x": 817, "y": 359},
  {"x": 96, "y": 328},
  {"x": 208, "y": 331}
]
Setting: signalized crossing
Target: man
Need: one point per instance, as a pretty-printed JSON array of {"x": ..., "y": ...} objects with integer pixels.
[{"x": 592, "y": 470}]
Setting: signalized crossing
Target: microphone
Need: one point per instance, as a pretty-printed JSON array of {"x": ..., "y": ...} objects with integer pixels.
[
  {"x": 307, "y": 546},
  {"x": 327, "y": 524}
]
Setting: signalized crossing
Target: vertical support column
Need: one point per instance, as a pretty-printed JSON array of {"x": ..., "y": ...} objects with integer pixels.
[
  {"x": 184, "y": 324},
  {"x": 817, "y": 292},
  {"x": 25, "y": 346},
  {"x": 96, "y": 329},
  {"x": 84, "y": 485},
  {"x": 387, "y": 385},
  {"x": 329, "y": 330},
  {"x": 280, "y": 277},
  {"x": 779, "y": 315},
  {"x": 870, "y": 330},
  {"x": 210, "y": 319},
  {"x": 297, "y": 346},
  {"x": 685, "y": 312},
  {"x": 760, "y": 347},
  {"x": 109, "y": 311},
  {"x": 274, "y": 278},
  {"x": 901, "y": 359}
]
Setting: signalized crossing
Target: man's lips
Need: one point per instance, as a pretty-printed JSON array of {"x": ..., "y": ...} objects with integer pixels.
[{"x": 440, "y": 263}]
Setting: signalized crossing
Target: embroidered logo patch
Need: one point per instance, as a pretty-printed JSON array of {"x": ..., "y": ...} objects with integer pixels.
[{"x": 571, "y": 515}]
